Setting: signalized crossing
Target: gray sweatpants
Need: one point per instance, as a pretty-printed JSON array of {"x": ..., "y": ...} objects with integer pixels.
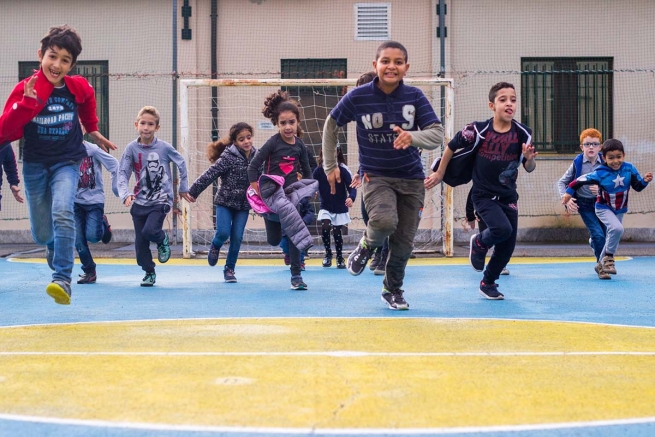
[
  {"x": 394, "y": 210},
  {"x": 614, "y": 224}
]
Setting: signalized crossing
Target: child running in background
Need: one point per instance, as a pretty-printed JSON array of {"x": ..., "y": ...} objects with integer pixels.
[
  {"x": 393, "y": 121},
  {"x": 584, "y": 199},
  {"x": 44, "y": 109},
  {"x": 334, "y": 208},
  {"x": 90, "y": 219},
  {"x": 230, "y": 157},
  {"x": 8, "y": 163},
  {"x": 149, "y": 158},
  {"x": 614, "y": 179},
  {"x": 489, "y": 153},
  {"x": 278, "y": 186}
]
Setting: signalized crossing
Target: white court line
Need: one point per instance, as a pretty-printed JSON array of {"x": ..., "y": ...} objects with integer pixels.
[
  {"x": 338, "y": 354},
  {"x": 326, "y": 431}
]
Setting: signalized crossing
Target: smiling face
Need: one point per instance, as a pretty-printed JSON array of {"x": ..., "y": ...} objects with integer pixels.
[
  {"x": 504, "y": 105},
  {"x": 56, "y": 63},
  {"x": 390, "y": 66},
  {"x": 147, "y": 125},
  {"x": 244, "y": 141},
  {"x": 288, "y": 125},
  {"x": 614, "y": 159},
  {"x": 590, "y": 147}
]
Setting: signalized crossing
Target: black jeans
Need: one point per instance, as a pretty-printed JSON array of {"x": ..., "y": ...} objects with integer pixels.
[
  {"x": 502, "y": 221},
  {"x": 148, "y": 222},
  {"x": 274, "y": 237}
]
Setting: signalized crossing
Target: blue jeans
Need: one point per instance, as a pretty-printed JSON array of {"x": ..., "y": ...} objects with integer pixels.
[
  {"x": 597, "y": 230},
  {"x": 89, "y": 229},
  {"x": 50, "y": 193},
  {"x": 230, "y": 223}
]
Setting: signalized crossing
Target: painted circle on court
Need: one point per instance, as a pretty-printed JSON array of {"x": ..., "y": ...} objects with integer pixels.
[{"x": 329, "y": 373}]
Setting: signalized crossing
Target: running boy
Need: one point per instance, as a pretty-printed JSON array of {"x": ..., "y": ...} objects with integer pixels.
[
  {"x": 44, "y": 110},
  {"x": 614, "y": 180},
  {"x": 389, "y": 115},
  {"x": 584, "y": 199},
  {"x": 90, "y": 219},
  {"x": 149, "y": 158},
  {"x": 497, "y": 147}
]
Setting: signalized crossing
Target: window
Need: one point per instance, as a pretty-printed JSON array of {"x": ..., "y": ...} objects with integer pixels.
[
  {"x": 372, "y": 21},
  {"x": 96, "y": 72},
  {"x": 560, "y": 97}
]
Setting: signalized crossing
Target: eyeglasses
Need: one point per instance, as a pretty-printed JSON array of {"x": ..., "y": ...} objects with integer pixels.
[{"x": 591, "y": 144}]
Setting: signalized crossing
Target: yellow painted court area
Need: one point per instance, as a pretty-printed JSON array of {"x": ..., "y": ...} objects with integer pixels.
[
  {"x": 316, "y": 262},
  {"x": 329, "y": 373}
]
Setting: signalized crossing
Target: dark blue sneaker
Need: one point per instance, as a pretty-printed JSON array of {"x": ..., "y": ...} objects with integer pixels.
[
  {"x": 163, "y": 250},
  {"x": 297, "y": 283},
  {"x": 477, "y": 253},
  {"x": 490, "y": 291},
  {"x": 359, "y": 258},
  {"x": 394, "y": 299},
  {"x": 228, "y": 275},
  {"x": 106, "y": 237},
  {"x": 212, "y": 256}
]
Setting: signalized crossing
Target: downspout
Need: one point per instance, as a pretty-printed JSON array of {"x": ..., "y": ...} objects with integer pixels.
[
  {"x": 214, "y": 67},
  {"x": 176, "y": 206}
]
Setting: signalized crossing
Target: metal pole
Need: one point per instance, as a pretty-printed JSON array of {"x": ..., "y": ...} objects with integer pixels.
[{"x": 174, "y": 118}]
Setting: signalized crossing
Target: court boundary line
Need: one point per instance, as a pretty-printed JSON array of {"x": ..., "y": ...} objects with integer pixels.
[
  {"x": 333, "y": 354},
  {"x": 325, "y": 431}
]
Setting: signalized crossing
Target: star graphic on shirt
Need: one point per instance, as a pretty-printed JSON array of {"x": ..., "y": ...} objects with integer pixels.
[{"x": 618, "y": 182}]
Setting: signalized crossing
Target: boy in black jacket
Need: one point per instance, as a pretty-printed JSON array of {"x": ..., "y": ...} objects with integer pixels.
[{"x": 492, "y": 150}]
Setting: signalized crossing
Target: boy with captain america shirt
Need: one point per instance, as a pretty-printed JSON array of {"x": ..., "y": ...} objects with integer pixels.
[
  {"x": 44, "y": 109},
  {"x": 389, "y": 115}
]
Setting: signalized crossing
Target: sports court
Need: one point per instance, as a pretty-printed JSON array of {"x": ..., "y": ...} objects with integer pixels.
[{"x": 564, "y": 354}]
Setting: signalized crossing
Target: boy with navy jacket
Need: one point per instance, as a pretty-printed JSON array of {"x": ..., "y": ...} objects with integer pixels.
[
  {"x": 490, "y": 153},
  {"x": 389, "y": 115}
]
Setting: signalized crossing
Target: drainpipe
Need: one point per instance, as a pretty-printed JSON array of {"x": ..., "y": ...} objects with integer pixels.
[
  {"x": 214, "y": 67},
  {"x": 174, "y": 118}
]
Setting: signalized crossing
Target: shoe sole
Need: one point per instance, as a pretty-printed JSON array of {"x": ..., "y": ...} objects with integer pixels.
[
  {"x": 147, "y": 285},
  {"x": 164, "y": 261},
  {"x": 85, "y": 282},
  {"x": 504, "y": 273},
  {"x": 400, "y": 308},
  {"x": 58, "y": 294},
  {"x": 471, "y": 242},
  {"x": 299, "y": 287},
  {"x": 379, "y": 272},
  {"x": 483, "y": 294},
  {"x": 230, "y": 281}
]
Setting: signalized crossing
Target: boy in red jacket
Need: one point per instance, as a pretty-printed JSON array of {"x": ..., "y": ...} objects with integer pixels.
[{"x": 44, "y": 110}]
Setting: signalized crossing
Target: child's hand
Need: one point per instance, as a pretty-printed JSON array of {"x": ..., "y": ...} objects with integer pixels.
[
  {"x": 349, "y": 202},
  {"x": 433, "y": 180},
  {"x": 565, "y": 198},
  {"x": 467, "y": 225},
  {"x": 334, "y": 178},
  {"x": 593, "y": 189},
  {"x": 188, "y": 197},
  {"x": 403, "y": 139},
  {"x": 16, "y": 192},
  {"x": 529, "y": 152},
  {"x": 128, "y": 200},
  {"x": 29, "y": 90},
  {"x": 648, "y": 177},
  {"x": 255, "y": 186},
  {"x": 103, "y": 142},
  {"x": 357, "y": 181},
  {"x": 572, "y": 205},
  {"x": 298, "y": 176}
]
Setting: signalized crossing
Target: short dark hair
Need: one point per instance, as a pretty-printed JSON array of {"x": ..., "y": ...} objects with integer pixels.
[
  {"x": 391, "y": 45},
  {"x": 612, "y": 145},
  {"x": 499, "y": 86},
  {"x": 64, "y": 37}
]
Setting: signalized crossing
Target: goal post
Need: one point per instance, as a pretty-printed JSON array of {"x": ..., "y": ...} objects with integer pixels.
[{"x": 203, "y": 113}]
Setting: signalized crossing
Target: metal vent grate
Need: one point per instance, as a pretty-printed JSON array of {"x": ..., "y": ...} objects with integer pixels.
[{"x": 372, "y": 21}]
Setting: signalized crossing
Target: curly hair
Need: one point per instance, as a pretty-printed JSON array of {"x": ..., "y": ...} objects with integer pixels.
[
  {"x": 216, "y": 148},
  {"x": 280, "y": 102}
]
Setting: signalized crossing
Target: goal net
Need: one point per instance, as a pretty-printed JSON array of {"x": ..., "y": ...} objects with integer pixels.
[{"x": 209, "y": 107}]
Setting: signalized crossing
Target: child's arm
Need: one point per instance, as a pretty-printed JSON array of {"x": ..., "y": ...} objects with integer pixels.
[
  {"x": 470, "y": 210},
  {"x": 330, "y": 130},
  {"x": 352, "y": 192},
  {"x": 111, "y": 164},
  {"x": 435, "y": 178},
  {"x": 636, "y": 181},
  {"x": 529, "y": 164},
  {"x": 125, "y": 168},
  {"x": 11, "y": 170},
  {"x": 178, "y": 159},
  {"x": 587, "y": 179},
  {"x": 19, "y": 110},
  {"x": 256, "y": 162},
  {"x": 305, "y": 167},
  {"x": 101, "y": 141},
  {"x": 429, "y": 138},
  {"x": 565, "y": 180}
]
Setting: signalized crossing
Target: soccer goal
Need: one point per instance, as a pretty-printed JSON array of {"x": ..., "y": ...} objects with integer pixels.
[{"x": 208, "y": 107}]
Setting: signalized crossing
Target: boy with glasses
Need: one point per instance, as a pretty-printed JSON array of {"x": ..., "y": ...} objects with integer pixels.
[{"x": 584, "y": 199}]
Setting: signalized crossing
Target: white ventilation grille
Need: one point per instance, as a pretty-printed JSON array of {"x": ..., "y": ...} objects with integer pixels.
[{"x": 372, "y": 21}]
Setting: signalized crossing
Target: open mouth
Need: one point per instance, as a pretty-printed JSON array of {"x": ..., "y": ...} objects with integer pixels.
[{"x": 54, "y": 73}]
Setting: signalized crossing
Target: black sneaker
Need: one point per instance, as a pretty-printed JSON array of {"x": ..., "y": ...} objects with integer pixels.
[
  {"x": 60, "y": 291},
  {"x": 359, "y": 258},
  {"x": 394, "y": 299},
  {"x": 49, "y": 256},
  {"x": 149, "y": 280},
  {"x": 490, "y": 291},
  {"x": 87, "y": 278},
  {"x": 297, "y": 283},
  {"x": 477, "y": 253},
  {"x": 341, "y": 263},
  {"x": 212, "y": 256},
  {"x": 164, "y": 250},
  {"x": 327, "y": 261},
  {"x": 106, "y": 237},
  {"x": 228, "y": 275}
]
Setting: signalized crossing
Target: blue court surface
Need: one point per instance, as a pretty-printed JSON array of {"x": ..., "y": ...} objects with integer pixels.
[{"x": 565, "y": 354}]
